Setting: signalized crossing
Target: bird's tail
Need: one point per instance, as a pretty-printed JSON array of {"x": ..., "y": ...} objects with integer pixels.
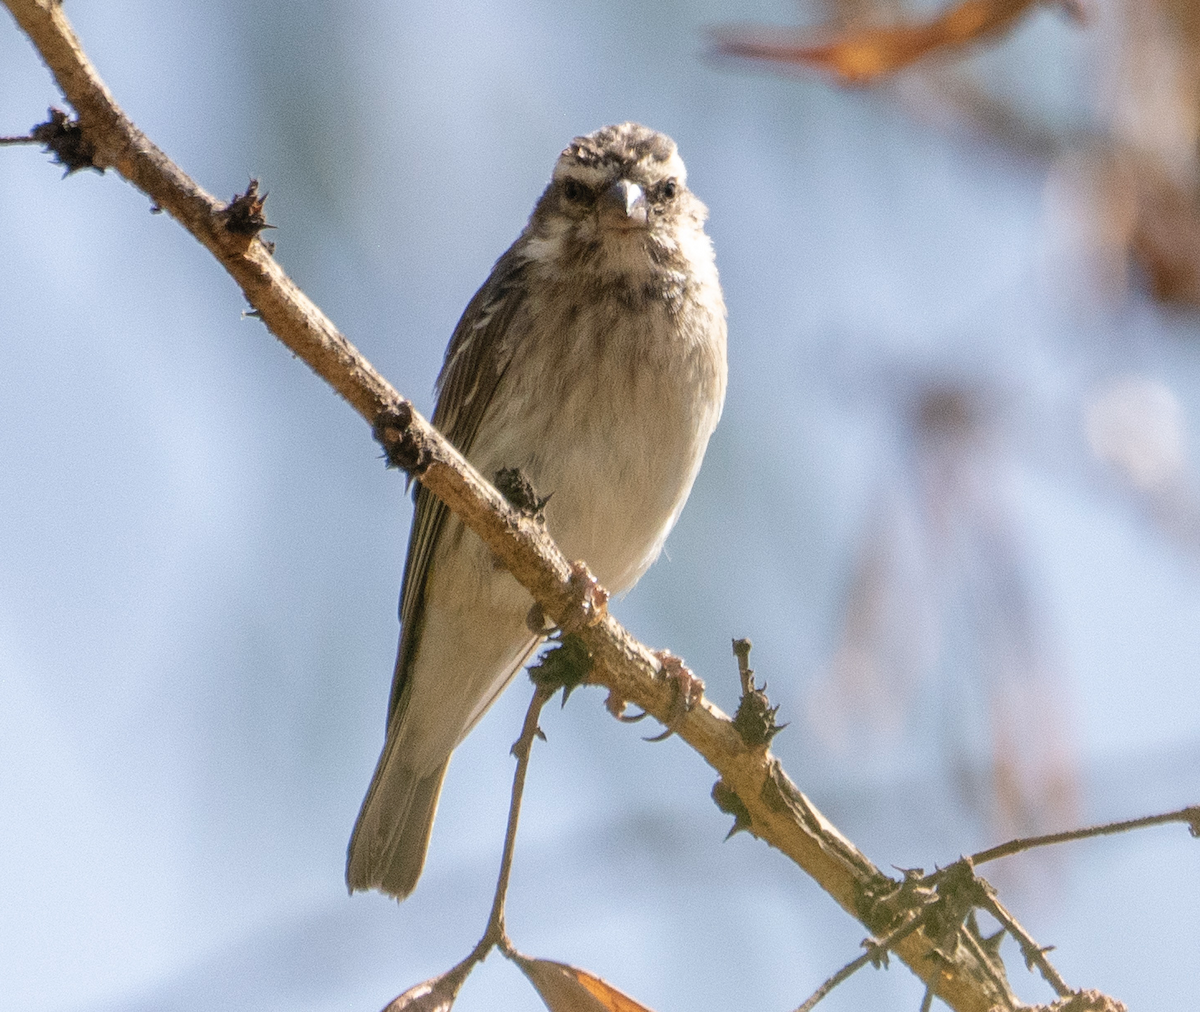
[{"x": 391, "y": 836}]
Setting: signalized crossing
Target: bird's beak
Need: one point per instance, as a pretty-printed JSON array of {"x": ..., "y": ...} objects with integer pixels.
[{"x": 627, "y": 202}]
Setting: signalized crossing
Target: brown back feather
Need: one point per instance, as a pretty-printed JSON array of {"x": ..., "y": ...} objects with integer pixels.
[{"x": 476, "y": 358}]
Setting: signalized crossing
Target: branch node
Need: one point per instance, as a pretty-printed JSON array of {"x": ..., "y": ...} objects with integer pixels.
[
  {"x": 741, "y": 650},
  {"x": 63, "y": 139},
  {"x": 565, "y": 666},
  {"x": 401, "y": 449},
  {"x": 244, "y": 215},
  {"x": 512, "y": 483},
  {"x": 755, "y": 717}
]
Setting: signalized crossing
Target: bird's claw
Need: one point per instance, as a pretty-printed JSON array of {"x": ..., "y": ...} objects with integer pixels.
[
  {"x": 689, "y": 690},
  {"x": 592, "y": 597}
]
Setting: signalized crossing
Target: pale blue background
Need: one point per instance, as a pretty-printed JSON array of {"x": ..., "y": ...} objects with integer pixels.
[{"x": 200, "y": 552}]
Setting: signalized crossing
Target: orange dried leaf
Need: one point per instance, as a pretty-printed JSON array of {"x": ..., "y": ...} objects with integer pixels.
[
  {"x": 861, "y": 55},
  {"x": 434, "y": 995},
  {"x": 568, "y": 989}
]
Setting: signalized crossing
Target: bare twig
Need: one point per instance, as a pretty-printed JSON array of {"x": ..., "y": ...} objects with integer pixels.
[
  {"x": 444, "y": 988},
  {"x": 495, "y": 934},
  {"x": 741, "y": 650},
  {"x": 1190, "y": 815},
  {"x": 24, "y": 139},
  {"x": 876, "y": 950}
]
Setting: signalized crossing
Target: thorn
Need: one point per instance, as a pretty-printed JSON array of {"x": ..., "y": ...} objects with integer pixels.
[{"x": 728, "y": 802}]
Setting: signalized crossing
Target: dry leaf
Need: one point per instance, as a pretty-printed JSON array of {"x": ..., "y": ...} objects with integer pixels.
[
  {"x": 434, "y": 995},
  {"x": 568, "y": 989},
  {"x": 860, "y": 55}
]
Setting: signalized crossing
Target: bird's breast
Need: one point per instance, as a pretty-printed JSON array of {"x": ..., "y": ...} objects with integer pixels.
[{"x": 607, "y": 407}]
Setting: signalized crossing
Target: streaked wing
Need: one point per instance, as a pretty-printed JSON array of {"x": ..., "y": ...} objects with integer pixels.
[{"x": 478, "y": 354}]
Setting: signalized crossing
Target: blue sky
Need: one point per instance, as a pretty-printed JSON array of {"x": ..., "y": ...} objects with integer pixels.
[{"x": 201, "y": 552}]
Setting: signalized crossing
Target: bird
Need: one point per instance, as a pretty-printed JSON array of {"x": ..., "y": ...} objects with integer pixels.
[{"x": 592, "y": 362}]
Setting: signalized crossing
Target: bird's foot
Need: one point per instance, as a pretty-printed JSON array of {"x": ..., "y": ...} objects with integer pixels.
[
  {"x": 688, "y": 689},
  {"x": 592, "y": 599}
]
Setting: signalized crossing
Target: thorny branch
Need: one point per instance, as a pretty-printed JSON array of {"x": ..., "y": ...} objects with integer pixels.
[
  {"x": 943, "y": 905},
  {"x": 1035, "y": 955},
  {"x": 768, "y": 804}
]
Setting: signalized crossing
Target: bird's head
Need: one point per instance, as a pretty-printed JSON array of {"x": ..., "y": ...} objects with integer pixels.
[{"x": 617, "y": 202}]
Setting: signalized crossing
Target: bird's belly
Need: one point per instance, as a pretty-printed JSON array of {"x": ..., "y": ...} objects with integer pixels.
[
  {"x": 617, "y": 458},
  {"x": 615, "y": 497}
]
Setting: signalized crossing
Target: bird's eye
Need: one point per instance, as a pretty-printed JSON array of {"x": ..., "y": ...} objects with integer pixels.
[
  {"x": 575, "y": 191},
  {"x": 669, "y": 189}
]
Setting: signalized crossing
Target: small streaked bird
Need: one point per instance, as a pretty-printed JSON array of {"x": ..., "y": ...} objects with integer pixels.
[{"x": 592, "y": 360}]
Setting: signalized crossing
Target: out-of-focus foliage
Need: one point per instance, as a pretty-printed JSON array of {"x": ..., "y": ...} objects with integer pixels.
[
  {"x": 861, "y": 53},
  {"x": 1141, "y": 174},
  {"x": 944, "y": 560}
]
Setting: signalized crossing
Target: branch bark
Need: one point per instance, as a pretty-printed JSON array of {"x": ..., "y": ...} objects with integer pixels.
[{"x": 773, "y": 808}]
